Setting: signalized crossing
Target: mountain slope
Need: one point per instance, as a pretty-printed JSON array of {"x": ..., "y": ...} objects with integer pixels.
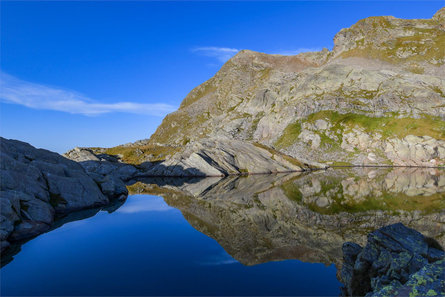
[{"x": 377, "y": 98}]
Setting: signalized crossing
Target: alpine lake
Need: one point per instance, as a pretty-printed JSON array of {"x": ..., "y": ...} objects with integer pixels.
[{"x": 279, "y": 234}]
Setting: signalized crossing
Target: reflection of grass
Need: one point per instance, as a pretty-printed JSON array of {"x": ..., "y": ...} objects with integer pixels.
[
  {"x": 149, "y": 189},
  {"x": 392, "y": 202},
  {"x": 378, "y": 197},
  {"x": 292, "y": 191}
]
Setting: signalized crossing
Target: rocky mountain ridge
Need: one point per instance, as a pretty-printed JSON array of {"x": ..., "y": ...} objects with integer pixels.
[{"x": 378, "y": 98}]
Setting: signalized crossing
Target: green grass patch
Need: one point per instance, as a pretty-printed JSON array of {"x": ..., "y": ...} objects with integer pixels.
[
  {"x": 425, "y": 45},
  {"x": 289, "y": 136},
  {"x": 341, "y": 163},
  {"x": 138, "y": 154},
  {"x": 280, "y": 154},
  {"x": 388, "y": 126},
  {"x": 199, "y": 92}
]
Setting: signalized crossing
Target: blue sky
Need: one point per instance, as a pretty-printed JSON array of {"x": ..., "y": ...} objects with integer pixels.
[{"x": 105, "y": 73}]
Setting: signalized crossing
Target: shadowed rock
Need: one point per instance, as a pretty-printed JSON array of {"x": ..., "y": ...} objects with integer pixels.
[
  {"x": 37, "y": 185},
  {"x": 396, "y": 261}
]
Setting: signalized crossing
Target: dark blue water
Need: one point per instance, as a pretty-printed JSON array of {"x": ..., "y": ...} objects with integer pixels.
[{"x": 148, "y": 248}]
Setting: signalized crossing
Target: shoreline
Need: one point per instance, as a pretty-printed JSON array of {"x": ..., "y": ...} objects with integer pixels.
[{"x": 287, "y": 172}]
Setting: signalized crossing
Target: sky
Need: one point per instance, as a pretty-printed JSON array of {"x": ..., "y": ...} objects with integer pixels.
[{"x": 103, "y": 73}]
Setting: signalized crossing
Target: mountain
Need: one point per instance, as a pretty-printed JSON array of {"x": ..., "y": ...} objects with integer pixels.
[{"x": 378, "y": 98}]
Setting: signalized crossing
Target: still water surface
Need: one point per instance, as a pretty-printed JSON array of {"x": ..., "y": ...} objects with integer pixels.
[
  {"x": 147, "y": 248},
  {"x": 257, "y": 235}
]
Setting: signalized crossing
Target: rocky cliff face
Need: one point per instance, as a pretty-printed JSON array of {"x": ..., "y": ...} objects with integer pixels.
[{"x": 377, "y": 98}]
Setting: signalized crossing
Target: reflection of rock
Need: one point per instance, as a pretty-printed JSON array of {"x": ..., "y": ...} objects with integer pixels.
[
  {"x": 305, "y": 216},
  {"x": 400, "y": 189},
  {"x": 15, "y": 247},
  {"x": 395, "y": 261}
]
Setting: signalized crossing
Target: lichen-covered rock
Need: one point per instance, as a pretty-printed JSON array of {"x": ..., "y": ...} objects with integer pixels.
[{"x": 396, "y": 261}]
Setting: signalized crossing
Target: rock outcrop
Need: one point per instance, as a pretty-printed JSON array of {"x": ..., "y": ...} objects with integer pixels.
[
  {"x": 37, "y": 186},
  {"x": 212, "y": 157},
  {"x": 216, "y": 157},
  {"x": 396, "y": 261},
  {"x": 376, "y": 99}
]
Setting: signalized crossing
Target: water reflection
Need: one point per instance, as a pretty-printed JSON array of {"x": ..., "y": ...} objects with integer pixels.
[
  {"x": 154, "y": 252},
  {"x": 258, "y": 219},
  {"x": 304, "y": 216},
  {"x": 78, "y": 217}
]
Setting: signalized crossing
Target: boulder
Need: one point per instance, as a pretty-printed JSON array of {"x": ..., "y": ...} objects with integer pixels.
[{"x": 396, "y": 261}]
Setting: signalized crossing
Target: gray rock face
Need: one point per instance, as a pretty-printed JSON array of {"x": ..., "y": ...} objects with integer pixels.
[
  {"x": 105, "y": 170},
  {"x": 414, "y": 150},
  {"x": 395, "y": 261},
  {"x": 222, "y": 157},
  {"x": 36, "y": 185},
  {"x": 207, "y": 157}
]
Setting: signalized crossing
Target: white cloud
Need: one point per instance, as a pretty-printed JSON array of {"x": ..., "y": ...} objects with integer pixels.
[
  {"x": 221, "y": 53},
  {"x": 144, "y": 203},
  {"x": 216, "y": 260},
  {"x": 296, "y": 51},
  {"x": 37, "y": 96}
]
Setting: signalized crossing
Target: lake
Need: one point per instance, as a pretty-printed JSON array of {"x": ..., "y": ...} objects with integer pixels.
[{"x": 257, "y": 235}]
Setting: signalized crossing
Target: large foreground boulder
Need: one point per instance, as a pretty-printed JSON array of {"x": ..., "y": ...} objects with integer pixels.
[
  {"x": 36, "y": 185},
  {"x": 396, "y": 261}
]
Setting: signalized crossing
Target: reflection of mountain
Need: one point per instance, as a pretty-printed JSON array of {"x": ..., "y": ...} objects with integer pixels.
[{"x": 307, "y": 216}]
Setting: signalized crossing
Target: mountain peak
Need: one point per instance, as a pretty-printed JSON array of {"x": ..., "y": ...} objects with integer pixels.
[
  {"x": 394, "y": 40},
  {"x": 380, "y": 89},
  {"x": 440, "y": 16}
]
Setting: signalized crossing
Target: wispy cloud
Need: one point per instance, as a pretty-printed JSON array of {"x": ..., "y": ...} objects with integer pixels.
[
  {"x": 37, "y": 96},
  {"x": 144, "y": 203},
  {"x": 295, "y": 51},
  {"x": 222, "y": 54},
  {"x": 216, "y": 260}
]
